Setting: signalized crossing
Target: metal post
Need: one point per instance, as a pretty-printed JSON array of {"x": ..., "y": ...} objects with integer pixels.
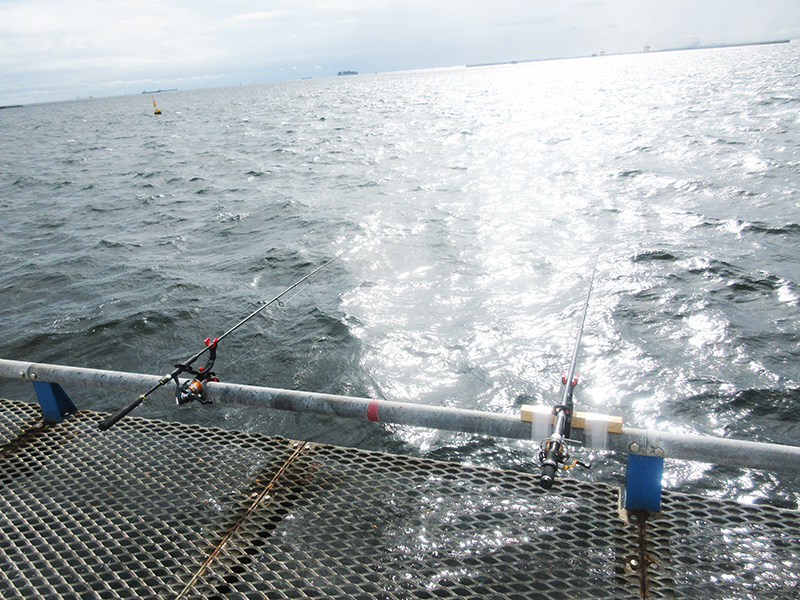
[{"x": 53, "y": 400}]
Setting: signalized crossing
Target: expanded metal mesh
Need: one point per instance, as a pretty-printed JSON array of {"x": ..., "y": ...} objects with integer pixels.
[
  {"x": 707, "y": 548},
  {"x": 117, "y": 515},
  {"x": 16, "y": 421},
  {"x": 348, "y": 524},
  {"x": 159, "y": 510}
]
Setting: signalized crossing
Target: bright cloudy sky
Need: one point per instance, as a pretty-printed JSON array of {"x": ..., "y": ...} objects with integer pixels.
[{"x": 60, "y": 49}]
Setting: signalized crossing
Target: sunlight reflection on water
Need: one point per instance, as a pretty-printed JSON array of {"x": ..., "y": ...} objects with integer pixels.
[{"x": 478, "y": 200}]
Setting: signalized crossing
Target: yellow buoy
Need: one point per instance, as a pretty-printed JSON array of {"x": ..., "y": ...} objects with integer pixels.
[{"x": 157, "y": 110}]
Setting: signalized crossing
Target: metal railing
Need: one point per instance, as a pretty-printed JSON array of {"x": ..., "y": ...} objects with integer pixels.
[{"x": 720, "y": 451}]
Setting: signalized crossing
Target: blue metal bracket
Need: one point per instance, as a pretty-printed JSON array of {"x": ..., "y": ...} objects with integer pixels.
[
  {"x": 55, "y": 402},
  {"x": 643, "y": 482}
]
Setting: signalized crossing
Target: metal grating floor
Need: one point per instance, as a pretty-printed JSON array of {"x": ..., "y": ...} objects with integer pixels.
[{"x": 160, "y": 510}]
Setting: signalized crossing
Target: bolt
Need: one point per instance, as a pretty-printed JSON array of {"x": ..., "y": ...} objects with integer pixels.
[
  {"x": 33, "y": 375},
  {"x": 658, "y": 452},
  {"x": 634, "y": 447},
  {"x": 634, "y": 563},
  {"x": 22, "y": 374}
]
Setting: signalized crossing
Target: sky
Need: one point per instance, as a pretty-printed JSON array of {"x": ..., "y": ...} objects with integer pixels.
[{"x": 52, "y": 50}]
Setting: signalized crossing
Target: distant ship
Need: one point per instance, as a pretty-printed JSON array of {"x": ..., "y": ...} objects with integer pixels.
[
  {"x": 159, "y": 91},
  {"x": 348, "y": 73}
]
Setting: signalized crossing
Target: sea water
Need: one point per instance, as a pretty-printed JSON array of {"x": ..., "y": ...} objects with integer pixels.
[{"x": 473, "y": 203}]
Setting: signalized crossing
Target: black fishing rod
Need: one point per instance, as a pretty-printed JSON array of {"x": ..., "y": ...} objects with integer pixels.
[
  {"x": 553, "y": 453},
  {"x": 192, "y": 390}
]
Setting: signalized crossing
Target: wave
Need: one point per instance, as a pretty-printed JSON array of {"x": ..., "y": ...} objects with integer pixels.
[
  {"x": 108, "y": 244},
  {"x": 654, "y": 256},
  {"x": 761, "y": 414},
  {"x": 791, "y": 229}
]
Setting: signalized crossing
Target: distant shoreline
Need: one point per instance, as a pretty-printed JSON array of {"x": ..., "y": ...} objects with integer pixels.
[
  {"x": 515, "y": 62},
  {"x": 647, "y": 50}
]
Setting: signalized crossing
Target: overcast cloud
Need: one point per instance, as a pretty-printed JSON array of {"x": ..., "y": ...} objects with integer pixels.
[{"x": 60, "y": 49}]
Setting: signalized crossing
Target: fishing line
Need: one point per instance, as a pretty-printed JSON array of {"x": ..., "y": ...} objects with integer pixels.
[
  {"x": 280, "y": 304},
  {"x": 245, "y": 348}
]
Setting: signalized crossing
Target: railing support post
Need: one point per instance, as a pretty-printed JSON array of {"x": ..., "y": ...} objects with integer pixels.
[
  {"x": 643, "y": 482},
  {"x": 54, "y": 401}
]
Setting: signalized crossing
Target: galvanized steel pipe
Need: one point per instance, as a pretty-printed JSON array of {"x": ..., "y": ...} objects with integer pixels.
[{"x": 721, "y": 451}]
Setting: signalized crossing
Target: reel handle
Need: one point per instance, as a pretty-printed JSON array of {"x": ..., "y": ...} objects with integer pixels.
[
  {"x": 549, "y": 466},
  {"x": 548, "y": 476}
]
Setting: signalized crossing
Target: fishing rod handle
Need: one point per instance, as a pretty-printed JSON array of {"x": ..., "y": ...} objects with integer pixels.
[
  {"x": 548, "y": 472},
  {"x": 111, "y": 420}
]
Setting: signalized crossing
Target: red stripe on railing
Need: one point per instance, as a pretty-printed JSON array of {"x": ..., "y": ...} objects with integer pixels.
[{"x": 372, "y": 410}]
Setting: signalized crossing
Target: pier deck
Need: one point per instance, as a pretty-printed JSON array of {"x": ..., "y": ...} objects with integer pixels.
[{"x": 162, "y": 510}]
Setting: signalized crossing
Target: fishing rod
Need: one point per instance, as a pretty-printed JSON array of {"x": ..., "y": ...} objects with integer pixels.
[
  {"x": 193, "y": 390},
  {"x": 553, "y": 453}
]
